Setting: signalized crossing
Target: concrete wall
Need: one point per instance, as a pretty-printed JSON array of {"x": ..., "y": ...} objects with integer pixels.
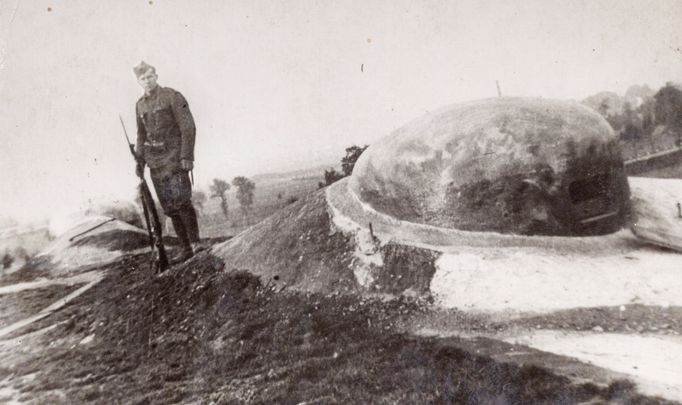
[{"x": 666, "y": 164}]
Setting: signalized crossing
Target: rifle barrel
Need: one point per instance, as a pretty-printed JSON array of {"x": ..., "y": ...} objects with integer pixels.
[
  {"x": 91, "y": 229},
  {"x": 151, "y": 216},
  {"x": 124, "y": 130}
]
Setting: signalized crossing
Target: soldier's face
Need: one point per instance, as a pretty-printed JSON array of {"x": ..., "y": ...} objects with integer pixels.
[{"x": 147, "y": 80}]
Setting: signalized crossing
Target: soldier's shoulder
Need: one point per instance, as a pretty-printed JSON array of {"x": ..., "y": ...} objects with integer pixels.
[{"x": 169, "y": 91}]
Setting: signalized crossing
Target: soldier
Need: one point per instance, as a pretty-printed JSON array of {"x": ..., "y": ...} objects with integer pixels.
[{"x": 165, "y": 143}]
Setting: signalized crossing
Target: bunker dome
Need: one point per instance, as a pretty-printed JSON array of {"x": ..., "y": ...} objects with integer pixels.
[{"x": 507, "y": 165}]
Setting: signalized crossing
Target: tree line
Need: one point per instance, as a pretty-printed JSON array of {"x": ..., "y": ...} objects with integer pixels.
[
  {"x": 244, "y": 188},
  {"x": 638, "y": 120}
]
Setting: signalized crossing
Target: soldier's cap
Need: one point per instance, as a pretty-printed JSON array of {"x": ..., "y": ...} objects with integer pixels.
[{"x": 140, "y": 69}]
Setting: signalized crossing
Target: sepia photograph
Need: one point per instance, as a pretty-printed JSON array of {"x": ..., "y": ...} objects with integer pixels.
[{"x": 341, "y": 202}]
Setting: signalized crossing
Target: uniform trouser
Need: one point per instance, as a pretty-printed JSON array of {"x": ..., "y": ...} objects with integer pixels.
[{"x": 174, "y": 191}]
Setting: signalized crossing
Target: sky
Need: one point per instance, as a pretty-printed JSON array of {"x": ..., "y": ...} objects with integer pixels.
[{"x": 282, "y": 85}]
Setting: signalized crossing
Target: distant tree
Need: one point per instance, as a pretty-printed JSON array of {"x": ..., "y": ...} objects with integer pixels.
[
  {"x": 347, "y": 165},
  {"x": 330, "y": 176},
  {"x": 245, "y": 188},
  {"x": 198, "y": 200},
  {"x": 218, "y": 190},
  {"x": 668, "y": 107},
  {"x": 648, "y": 113},
  {"x": 279, "y": 195},
  {"x": 631, "y": 132},
  {"x": 632, "y": 124},
  {"x": 352, "y": 155},
  {"x": 7, "y": 260}
]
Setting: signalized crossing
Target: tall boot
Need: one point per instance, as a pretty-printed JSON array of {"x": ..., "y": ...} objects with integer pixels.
[
  {"x": 183, "y": 238},
  {"x": 189, "y": 220}
]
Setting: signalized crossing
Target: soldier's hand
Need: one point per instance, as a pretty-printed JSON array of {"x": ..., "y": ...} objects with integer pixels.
[
  {"x": 186, "y": 165},
  {"x": 139, "y": 170}
]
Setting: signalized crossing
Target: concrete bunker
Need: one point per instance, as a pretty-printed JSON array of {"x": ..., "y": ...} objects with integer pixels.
[
  {"x": 423, "y": 215},
  {"x": 508, "y": 165}
]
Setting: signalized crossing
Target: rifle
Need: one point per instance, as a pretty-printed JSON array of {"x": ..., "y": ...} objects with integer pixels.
[
  {"x": 93, "y": 228},
  {"x": 159, "y": 261}
]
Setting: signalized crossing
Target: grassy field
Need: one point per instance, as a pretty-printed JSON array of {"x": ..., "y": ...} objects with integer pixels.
[{"x": 273, "y": 192}]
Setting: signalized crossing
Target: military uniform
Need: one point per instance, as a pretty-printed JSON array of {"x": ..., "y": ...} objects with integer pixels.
[{"x": 165, "y": 136}]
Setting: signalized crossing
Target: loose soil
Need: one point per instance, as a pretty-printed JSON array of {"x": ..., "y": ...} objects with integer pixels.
[
  {"x": 296, "y": 248},
  {"x": 17, "y": 306},
  {"x": 199, "y": 333}
]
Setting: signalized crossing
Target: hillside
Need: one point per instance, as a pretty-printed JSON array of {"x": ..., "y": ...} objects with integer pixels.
[
  {"x": 273, "y": 191},
  {"x": 203, "y": 334}
]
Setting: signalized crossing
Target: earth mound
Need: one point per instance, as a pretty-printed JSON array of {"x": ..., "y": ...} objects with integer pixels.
[
  {"x": 124, "y": 211},
  {"x": 508, "y": 165},
  {"x": 295, "y": 248},
  {"x": 91, "y": 241},
  {"x": 303, "y": 247}
]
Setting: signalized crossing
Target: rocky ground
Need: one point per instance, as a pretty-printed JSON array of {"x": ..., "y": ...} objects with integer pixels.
[{"x": 201, "y": 333}]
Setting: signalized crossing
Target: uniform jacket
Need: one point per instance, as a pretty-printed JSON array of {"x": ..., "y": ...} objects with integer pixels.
[{"x": 165, "y": 128}]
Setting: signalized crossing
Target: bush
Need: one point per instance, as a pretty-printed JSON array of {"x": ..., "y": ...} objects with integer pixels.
[
  {"x": 347, "y": 165},
  {"x": 7, "y": 260}
]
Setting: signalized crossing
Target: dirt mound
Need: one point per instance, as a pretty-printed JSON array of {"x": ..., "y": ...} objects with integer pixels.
[
  {"x": 296, "y": 247},
  {"x": 124, "y": 211},
  {"x": 301, "y": 248},
  {"x": 67, "y": 253},
  {"x": 125, "y": 240},
  {"x": 201, "y": 334}
]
